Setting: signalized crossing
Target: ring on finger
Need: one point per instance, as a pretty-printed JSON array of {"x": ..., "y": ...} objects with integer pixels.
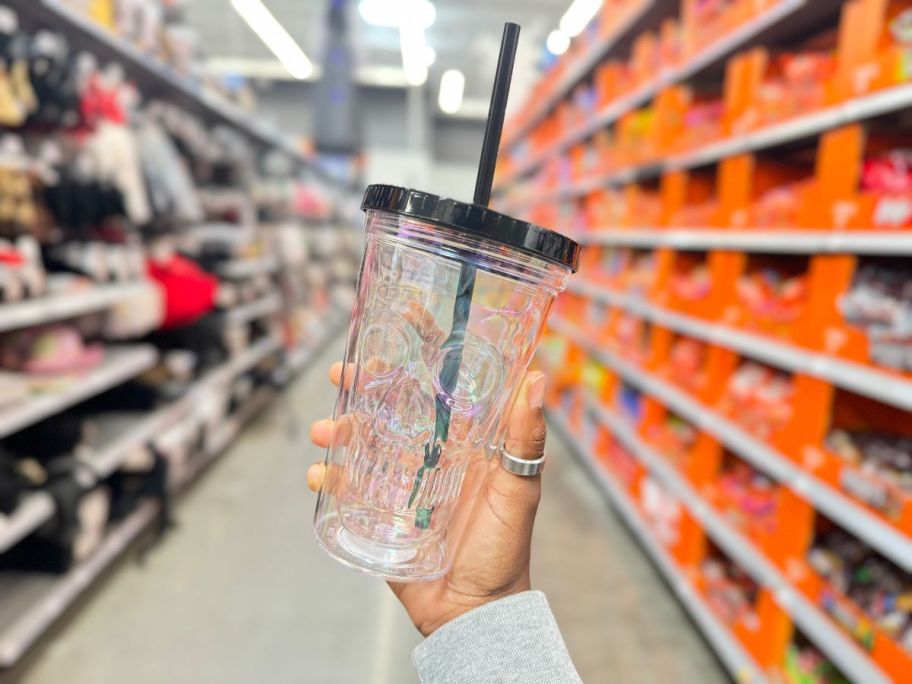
[{"x": 521, "y": 466}]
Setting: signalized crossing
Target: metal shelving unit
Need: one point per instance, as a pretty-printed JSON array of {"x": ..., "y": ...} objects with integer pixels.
[
  {"x": 815, "y": 625},
  {"x": 153, "y": 77},
  {"x": 870, "y": 382},
  {"x": 787, "y": 15},
  {"x": 738, "y": 662},
  {"x": 641, "y": 17},
  {"x": 31, "y": 602},
  {"x": 844, "y": 511},
  {"x": 807, "y": 126}
]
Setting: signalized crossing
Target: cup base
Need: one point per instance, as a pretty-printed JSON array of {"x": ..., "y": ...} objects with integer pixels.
[{"x": 400, "y": 564}]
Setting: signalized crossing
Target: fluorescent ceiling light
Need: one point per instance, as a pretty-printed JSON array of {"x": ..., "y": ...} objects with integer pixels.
[
  {"x": 558, "y": 42},
  {"x": 275, "y": 37},
  {"x": 578, "y": 16},
  {"x": 452, "y": 86},
  {"x": 393, "y": 13},
  {"x": 414, "y": 53}
]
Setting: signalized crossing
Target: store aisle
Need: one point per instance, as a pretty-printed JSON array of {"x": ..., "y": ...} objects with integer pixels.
[{"x": 240, "y": 593}]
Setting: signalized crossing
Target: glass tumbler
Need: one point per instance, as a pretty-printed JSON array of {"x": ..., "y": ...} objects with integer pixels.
[{"x": 452, "y": 300}]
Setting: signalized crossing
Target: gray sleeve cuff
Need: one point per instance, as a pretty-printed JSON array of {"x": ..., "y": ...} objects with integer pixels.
[{"x": 515, "y": 639}]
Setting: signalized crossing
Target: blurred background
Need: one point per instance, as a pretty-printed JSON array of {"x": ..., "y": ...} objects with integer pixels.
[{"x": 730, "y": 489}]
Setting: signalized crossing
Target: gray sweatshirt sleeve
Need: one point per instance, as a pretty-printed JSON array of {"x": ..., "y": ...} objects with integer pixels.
[{"x": 515, "y": 639}]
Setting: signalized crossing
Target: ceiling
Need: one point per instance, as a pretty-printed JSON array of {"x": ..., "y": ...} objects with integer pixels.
[{"x": 466, "y": 36}]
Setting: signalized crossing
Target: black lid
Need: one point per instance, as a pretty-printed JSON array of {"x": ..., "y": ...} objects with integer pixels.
[{"x": 474, "y": 219}]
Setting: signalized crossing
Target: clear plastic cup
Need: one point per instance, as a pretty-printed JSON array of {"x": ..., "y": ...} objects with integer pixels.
[{"x": 408, "y": 456}]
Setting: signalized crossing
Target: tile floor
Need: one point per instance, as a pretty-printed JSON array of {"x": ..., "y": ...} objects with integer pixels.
[{"x": 240, "y": 592}]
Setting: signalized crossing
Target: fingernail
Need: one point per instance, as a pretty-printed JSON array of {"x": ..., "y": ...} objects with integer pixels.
[{"x": 535, "y": 391}]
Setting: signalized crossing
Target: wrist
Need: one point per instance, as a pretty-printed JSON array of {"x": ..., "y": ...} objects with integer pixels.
[{"x": 457, "y": 603}]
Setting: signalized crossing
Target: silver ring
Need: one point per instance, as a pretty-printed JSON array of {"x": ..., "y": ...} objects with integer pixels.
[{"x": 521, "y": 466}]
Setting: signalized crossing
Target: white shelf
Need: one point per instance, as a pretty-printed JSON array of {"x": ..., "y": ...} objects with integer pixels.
[
  {"x": 246, "y": 313},
  {"x": 239, "y": 269},
  {"x": 894, "y": 99},
  {"x": 841, "y": 509},
  {"x": 813, "y": 623},
  {"x": 870, "y": 382},
  {"x": 712, "y": 54},
  {"x": 35, "y": 510},
  {"x": 120, "y": 364},
  {"x": 66, "y": 305},
  {"x": 894, "y": 243},
  {"x": 154, "y": 78},
  {"x": 738, "y": 662}
]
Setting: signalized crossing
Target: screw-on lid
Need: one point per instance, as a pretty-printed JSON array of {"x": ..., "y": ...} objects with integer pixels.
[{"x": 474, "y": 219}]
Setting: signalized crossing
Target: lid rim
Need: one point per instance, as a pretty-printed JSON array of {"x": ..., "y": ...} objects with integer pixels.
[{"x": 476, "y": 220}]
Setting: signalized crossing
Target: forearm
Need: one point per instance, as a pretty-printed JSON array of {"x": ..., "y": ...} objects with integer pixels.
[{"x": 515, "y": 639}]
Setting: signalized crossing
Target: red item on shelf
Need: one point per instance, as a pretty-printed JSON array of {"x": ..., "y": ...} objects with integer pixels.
[{"x": 189, "y": 292}]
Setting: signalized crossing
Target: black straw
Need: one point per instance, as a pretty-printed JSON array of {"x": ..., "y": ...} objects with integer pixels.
[
  {"x": 455, "y": 342},
  {"x": 496, "y": 114}
]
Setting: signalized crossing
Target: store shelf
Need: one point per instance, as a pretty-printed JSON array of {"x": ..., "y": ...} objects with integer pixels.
[
  {"x": 648, "y": 14},
  {"x": 240, "y": 269},
  {"x": 810, "y": 125},
  {"x": 870, "y": 382},
  {"x": 33, "y": 511},
  {"x": 841, "y": 509},
  {"x": 247, "y": 313},
  {"x": 120, "y": 364},
  {"x": 813, "y": 623},
  {"x": 122, "y": 432},
  {"x": 735, "y": 658},
  {"x": 66, "y": 304},
  {"x": 893, "y": 243},
  {"x": 31, "y": 602},
  {"x": 153, "y": 78},
  {"x": 764, "y": 27}
]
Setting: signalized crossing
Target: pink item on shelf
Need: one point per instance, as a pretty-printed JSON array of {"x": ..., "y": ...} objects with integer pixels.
[{"x": 50, "y": 351}]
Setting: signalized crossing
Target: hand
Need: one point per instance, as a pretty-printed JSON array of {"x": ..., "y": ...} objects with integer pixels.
[{"x": 492, "y": 560}]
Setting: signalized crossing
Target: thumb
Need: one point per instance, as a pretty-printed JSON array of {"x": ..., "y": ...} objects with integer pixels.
[
  {"x": 526, "y": 425},
  {"x": 525, "y": 439}
]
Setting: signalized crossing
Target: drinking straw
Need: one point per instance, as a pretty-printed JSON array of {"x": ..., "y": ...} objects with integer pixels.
[{"x": 453, "y": 347}]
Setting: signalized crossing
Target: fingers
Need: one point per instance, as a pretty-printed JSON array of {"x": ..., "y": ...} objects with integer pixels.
[
  {"x": 315, "y": 475},
  {"x": 336, "y": 373},
  {"x": 526, "y": 429},
  {"x": 514, "y": 498},
  {"x": 328, "y": 432}
]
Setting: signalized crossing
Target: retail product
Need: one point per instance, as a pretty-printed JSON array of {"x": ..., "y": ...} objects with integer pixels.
[
  {"x": 686, "y": 362},
  {"x": 730, "y": 591},
  {"x": 747, "y": 497},
  {"x": 760, "y": 398},
  {"x": 54, "y": 350},
  {"x": 880, "y": 303},
  {"x": 805, "y": 664},
  {"x": 855, "y": 573},
  {"x": 189, "y": 292},
  {"x": 884, "y": 462},
  {"x": 420, "y": 410},
  {"x": 772, "y": 296},
  {"x": 672, "y": 437}
]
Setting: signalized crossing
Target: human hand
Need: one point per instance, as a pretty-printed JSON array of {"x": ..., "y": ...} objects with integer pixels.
[{"x": 492, "y": 560}]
